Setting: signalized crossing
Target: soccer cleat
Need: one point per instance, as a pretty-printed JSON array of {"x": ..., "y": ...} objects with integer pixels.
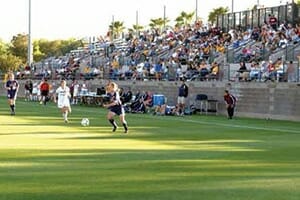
[
  {"x": 126, "y": 131},
  {"x": 114, "y": 129},
  {"x": 12, "y": 113}
]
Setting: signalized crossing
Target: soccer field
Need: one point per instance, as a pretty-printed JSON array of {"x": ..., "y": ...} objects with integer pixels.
[{"x": 162, "y": 157}]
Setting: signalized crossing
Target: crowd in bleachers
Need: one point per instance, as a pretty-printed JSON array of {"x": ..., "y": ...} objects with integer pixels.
[
  {"x": 195, "y": 52},
  {"x": 268, "y": 40},
  {"x": 168, "y": 55}
]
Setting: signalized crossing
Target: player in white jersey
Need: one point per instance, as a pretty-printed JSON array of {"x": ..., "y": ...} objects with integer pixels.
[{"x": 63, "y": 99}]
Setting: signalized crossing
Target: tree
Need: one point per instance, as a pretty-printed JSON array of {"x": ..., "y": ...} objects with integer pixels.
[
  {"x": 9, "y": 62},
  {"x": 158, "y": 23},
  {"x": 116, "y": 28},
  {"x": 179, "y": 21},
  {"x": 212, "y": 17},
  {"x": 50, "y": 48},
  {"x": 11, "y": 57},
  {"x": 184, "y": 18},
  {"x": 70, "y": 44},
  {"x": 44, "y": 48},
  {"x": 3, "y": 48},
  {"x": 37, "y": 54},
  {"x": 19, "y": 46},
  {"x": 137, "y": 28}
]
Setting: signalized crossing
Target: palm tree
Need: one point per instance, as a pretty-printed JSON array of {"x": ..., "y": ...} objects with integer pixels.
[
  {"x": 116, "y": 28},
  {"x": 137, "y": 28},
  {"x": 159, "y": 23},
  {"x": 184, "y": 18},
  {"x": 212, "y": 17},
  {"x": 179, "y": 21}
]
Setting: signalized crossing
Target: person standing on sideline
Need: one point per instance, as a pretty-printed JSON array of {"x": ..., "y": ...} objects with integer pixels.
[
  {"x": 183, "y": 92},
  {"x": 230, "y": 102},
  {"x": 44, "y": 88},
  {"x": 115, "y": 106},
  {"x": 28, "y": 90},
  {"x": 75, "y": 92},
  {"x": 63, "y": 99},
  {"x": 12, "y": 87}
]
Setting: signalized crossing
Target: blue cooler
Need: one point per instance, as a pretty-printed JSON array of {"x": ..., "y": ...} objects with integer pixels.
[{"x": 158, "y": 99}]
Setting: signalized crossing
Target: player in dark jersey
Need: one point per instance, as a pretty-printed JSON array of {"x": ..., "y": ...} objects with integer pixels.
[
  {"x": 12, "y": 87},
  {"x": 230, "y": 102},
  {"x": 183, "y": 92},
  {"x": 115, "y": 106}
]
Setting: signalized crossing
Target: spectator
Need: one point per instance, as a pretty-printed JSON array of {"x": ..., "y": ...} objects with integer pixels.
[
  {"x": 273, "y": 21},
  {"x": 164, "y": 109},
  {"x": 214, "y": 71},
  {"x": 291, "y": 76},
  {"x": 183, "y": 92},
  {"x": 243, "y": 72},
  {"x": 75, "y": 92},
  {"x": 126, "y": 97},
  {"x": 203, "y": 70},
  {"x": 147, "y": 99},
  {"x": 28, "y": 90},
  {"x": 279, "y": 73},
  {"x": 255, "y": 73},
  {"x": 158, "y": 70}
]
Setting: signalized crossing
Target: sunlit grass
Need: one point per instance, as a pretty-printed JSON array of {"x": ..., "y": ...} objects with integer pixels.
[{"x": 191, "y": 157}]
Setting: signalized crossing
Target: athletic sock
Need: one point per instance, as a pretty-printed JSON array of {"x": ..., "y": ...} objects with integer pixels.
[
  {"x": 125, "y": 127},
  {"x": 12, "y": 107},
  {"x": 112, "y": 121},
  {"x": 66, "y": 116}
]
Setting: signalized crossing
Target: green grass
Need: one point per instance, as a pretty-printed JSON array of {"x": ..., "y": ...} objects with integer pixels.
[{"x": 191, "y": 157}]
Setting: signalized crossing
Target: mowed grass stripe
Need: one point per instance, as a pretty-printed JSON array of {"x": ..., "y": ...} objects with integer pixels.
[
  {"x": 203, "y": 120},
  {"x": 189, "y": 158}
]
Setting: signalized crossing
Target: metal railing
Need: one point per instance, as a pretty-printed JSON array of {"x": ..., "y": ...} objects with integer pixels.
[{"x": 256, "y": 17}]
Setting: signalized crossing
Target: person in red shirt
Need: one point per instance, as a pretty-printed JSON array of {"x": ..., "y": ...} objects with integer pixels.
[
  {"x": 44, "y": 87},
  {"x": 230, "y": 102},
  {"x": 273, "y": 22}
]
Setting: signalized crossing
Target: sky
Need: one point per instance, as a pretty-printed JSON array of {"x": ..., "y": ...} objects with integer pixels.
[{"x": 64, "y": 19}]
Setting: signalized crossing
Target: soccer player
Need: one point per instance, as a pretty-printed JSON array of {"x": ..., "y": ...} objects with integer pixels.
[
  {"x": 63, "y": 99},
  {"x": 12, "y": 87},
  {"x": 230, "y": 102},
  {"x": 44, "y": 87},
  {"x": 115, "y": 106}
]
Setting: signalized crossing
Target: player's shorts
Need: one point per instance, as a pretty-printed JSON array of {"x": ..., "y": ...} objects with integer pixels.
[
  {"x": 181, "y": 100},
  {"x": 44, "y": 92},
  {"x": 118, "y": 110},
  {"x": 11, "y": 94},
  {"x": 64, "y": 102}
]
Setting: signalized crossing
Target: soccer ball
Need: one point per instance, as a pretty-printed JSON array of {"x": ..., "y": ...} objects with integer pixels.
[{"x": 85, "y": 122}]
